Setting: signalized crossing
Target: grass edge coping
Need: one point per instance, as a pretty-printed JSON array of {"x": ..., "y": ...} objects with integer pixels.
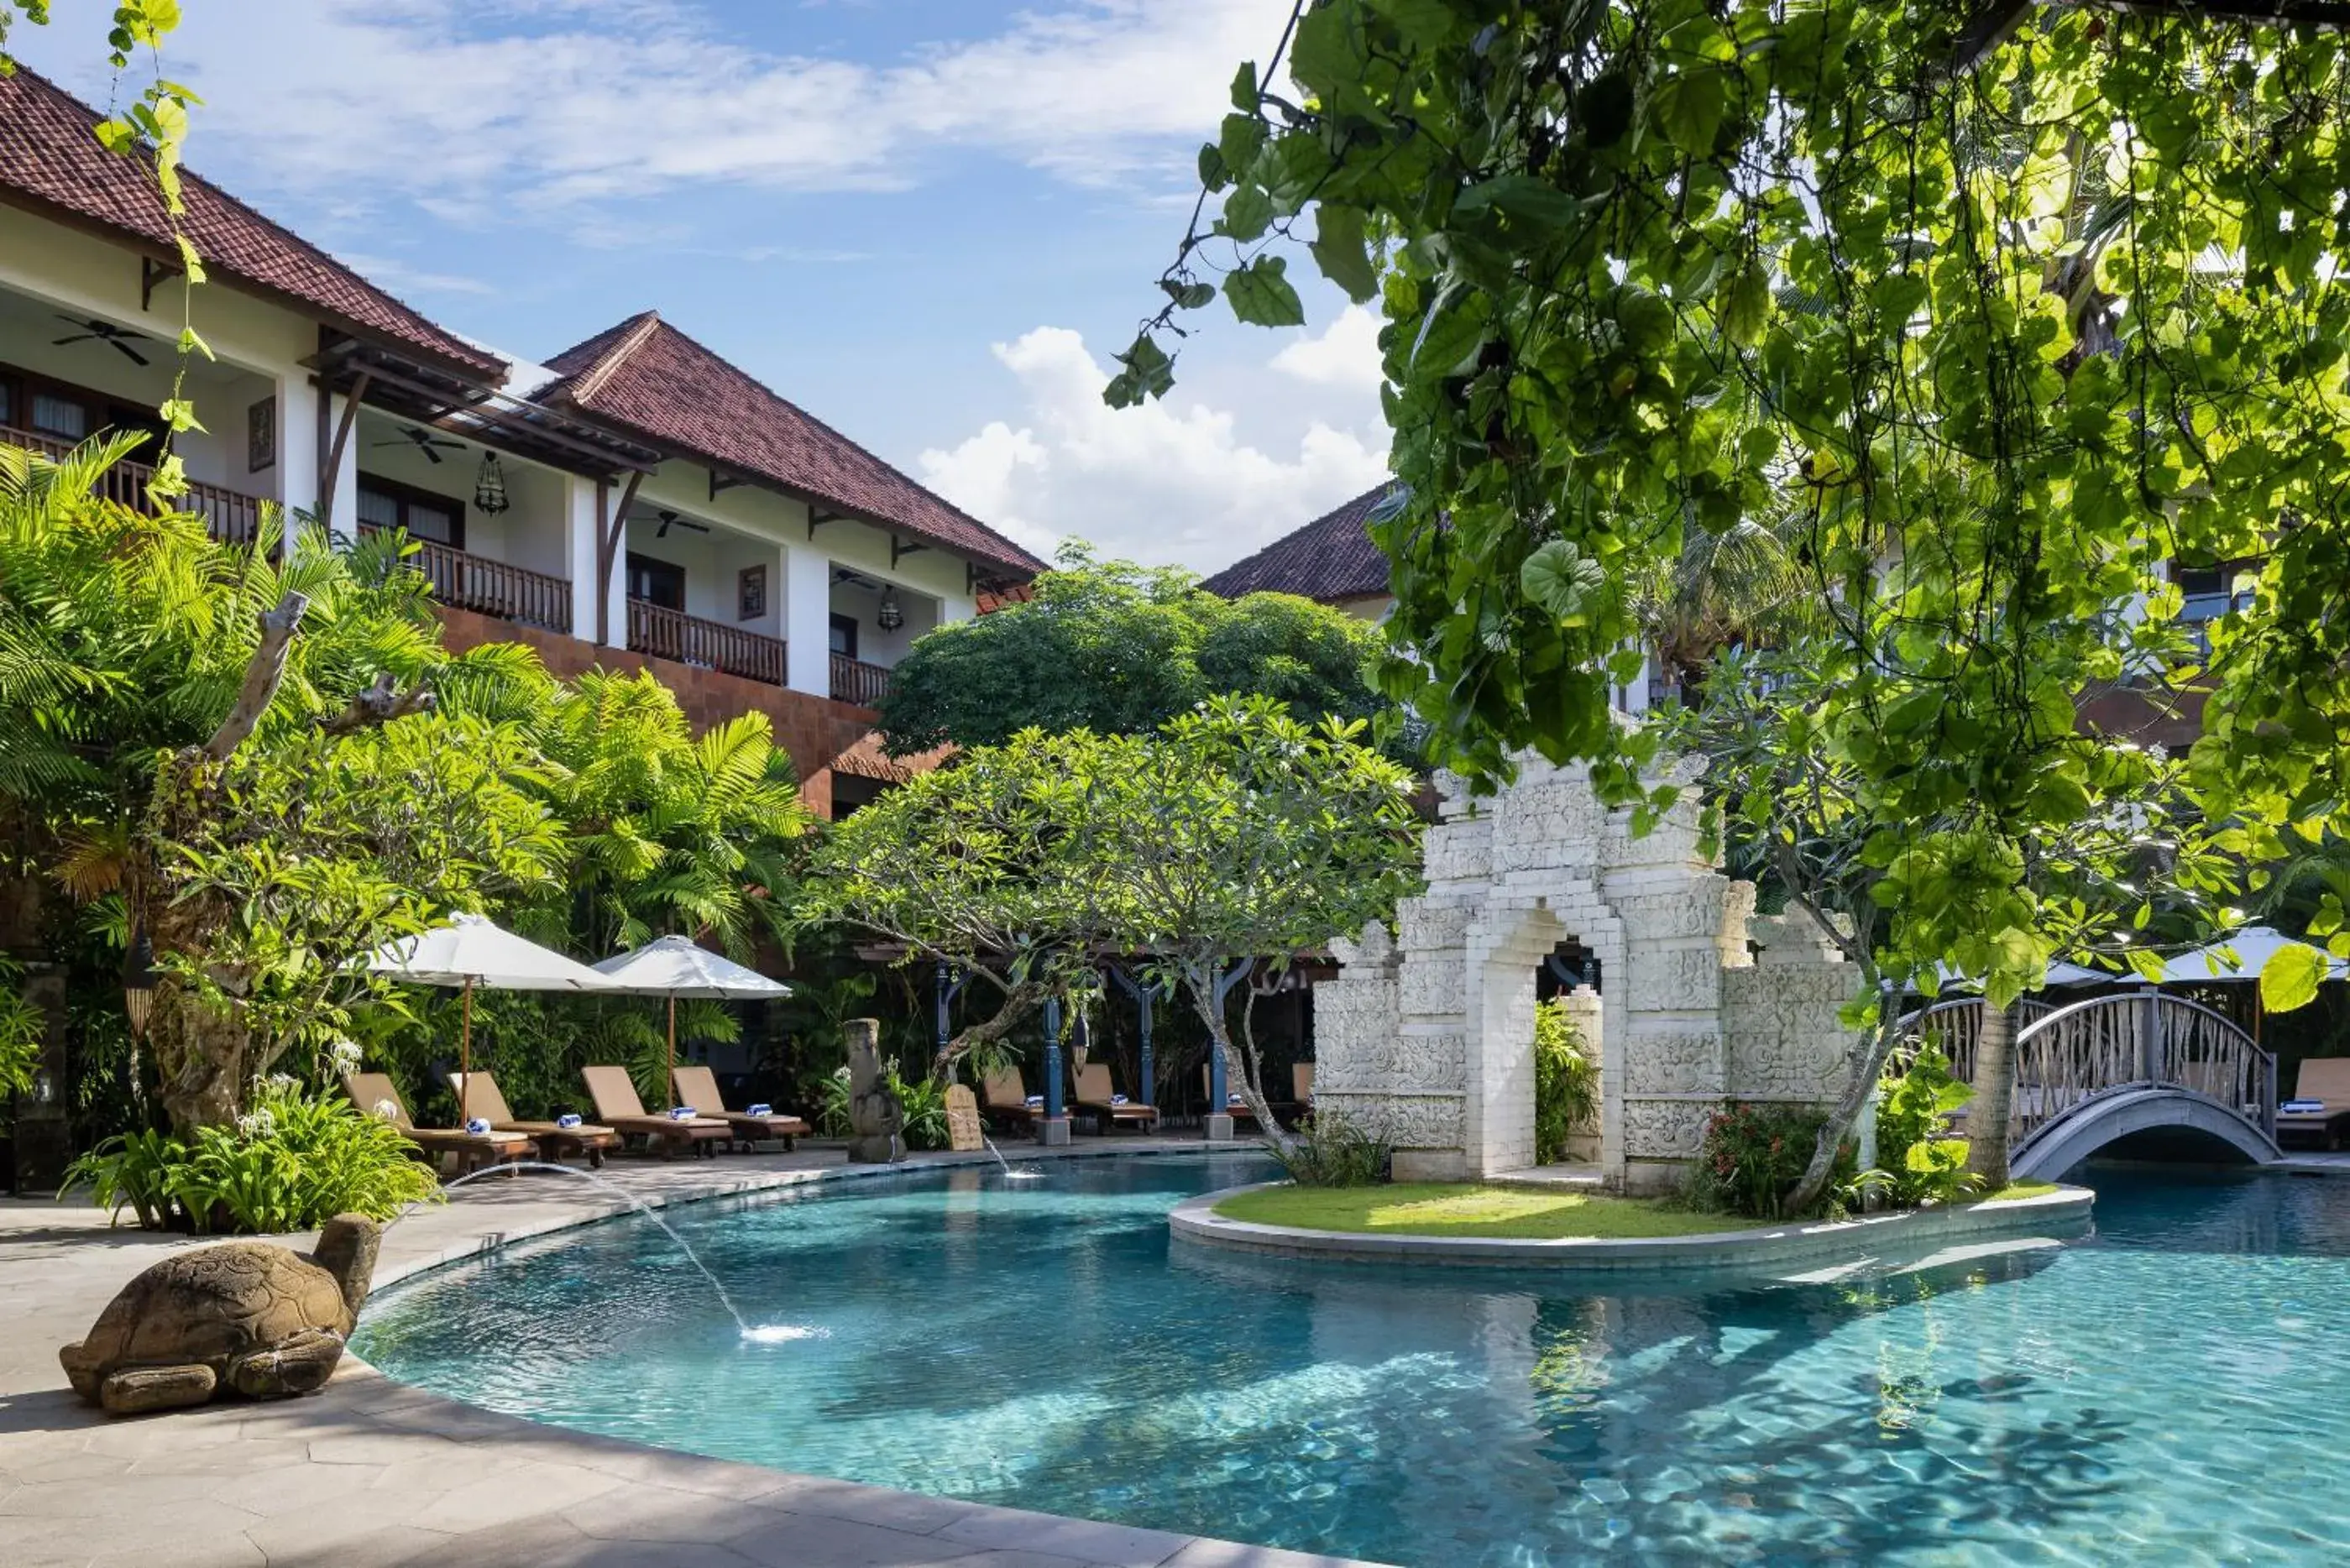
[{"x": 2056, "y": 1215}]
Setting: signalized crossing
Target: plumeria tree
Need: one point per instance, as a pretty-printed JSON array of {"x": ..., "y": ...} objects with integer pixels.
[
  {"x": 976, "y": 865},
  {"x": 1239, "y": 836}
]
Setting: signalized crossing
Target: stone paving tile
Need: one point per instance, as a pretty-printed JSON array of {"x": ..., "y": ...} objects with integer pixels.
[
  {"x": 1233, "y": 1555},
  {"x": 864, "y": 1504},
  {"x": 370, "y": 1474},
  {"x": 1124, "y": 1546},
  {"x": 797, "y": 1540},
  {"x": 523, "y": 1491}
]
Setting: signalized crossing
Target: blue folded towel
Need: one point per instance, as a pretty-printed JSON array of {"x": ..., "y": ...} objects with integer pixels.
[
  {"x": 1118, "y": 1099},
  {"x": 2298, "y": 1105},
  {"x": 1036, "y": 1099},
  {"x": 682, "y": 1112},
  {"x": 477, "y": 1125},
  {"x": 761, "y": 1109},
  {"x": 1234, "y": 1099},
  {"x": 567, "y": 1120}
]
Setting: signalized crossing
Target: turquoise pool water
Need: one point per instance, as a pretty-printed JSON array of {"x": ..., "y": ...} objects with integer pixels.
[{"x": 2177, "y": 1390}]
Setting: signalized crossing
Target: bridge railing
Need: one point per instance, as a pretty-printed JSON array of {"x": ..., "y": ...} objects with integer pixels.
[{"x": 2065, "y": 1057}]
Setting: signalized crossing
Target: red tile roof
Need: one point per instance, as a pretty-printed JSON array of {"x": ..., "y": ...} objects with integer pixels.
[
  {"x": 1330, "y": 559},
  {"x": 647, "y": 376},
  {"x": 51, "y": 163}
]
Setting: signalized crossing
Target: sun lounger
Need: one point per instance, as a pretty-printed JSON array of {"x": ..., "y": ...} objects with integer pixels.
[
  {"x": 2327, "y": 1080},
  {"x": 373, "y": 1093},
  {"x": 1003, "y": 1100},
  {"x": 1233, "y": 1105},
  {"x": 618, "y": 1108},
  {"x": 698, "y": 1087},
  {"x": 1097, "y": 1094},
  {"x": 479, "y": 1096}
]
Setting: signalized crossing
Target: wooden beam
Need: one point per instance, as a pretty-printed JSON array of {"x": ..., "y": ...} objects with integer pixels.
[
  {"x": 333, "y": 466},
  {"x": 816, "y": 518},
  {"x": 151, "y": 273},
  {"x": 900, "y": 551},
  {"x": 608, "y": 532},
  {"x": 720, "y": 482}
]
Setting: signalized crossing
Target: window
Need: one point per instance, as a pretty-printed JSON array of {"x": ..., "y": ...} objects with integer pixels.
[
  {"x": 387, "y": 504},
  {"x": 65, "y": 412},
  {"x": 2208, "y": 592},
  {"x": 844, "y": 636},
  {"x": 67, "y": 418},
  {"x": 656, "y": 582}
]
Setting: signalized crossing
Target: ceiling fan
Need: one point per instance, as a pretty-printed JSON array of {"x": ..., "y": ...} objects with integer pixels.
[
  {"x": 96, "y": 331},
  {"x": 667, "y": 518},
  {"x": 423, "y": 441}
]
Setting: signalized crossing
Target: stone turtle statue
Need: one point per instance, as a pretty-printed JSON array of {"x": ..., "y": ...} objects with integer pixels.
[
  {"x": 875, "y": 1117},
  {"x": 244, "y": 1315}
]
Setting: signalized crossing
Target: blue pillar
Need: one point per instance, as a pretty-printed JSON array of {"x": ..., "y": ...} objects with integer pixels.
[
  {"x": 945, "y": 1033},
  {"x": 1053, "y": 1127},
  {"x": 1150, "y": 1085},
  {"x": 1144, "y": 994}
]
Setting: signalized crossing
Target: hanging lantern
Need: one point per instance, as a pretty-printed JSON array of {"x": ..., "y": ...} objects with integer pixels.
[
  {"x": 890, "y": 617},
  {"x": 138, "y": 980},
  {"x": 490, "y": 489}
]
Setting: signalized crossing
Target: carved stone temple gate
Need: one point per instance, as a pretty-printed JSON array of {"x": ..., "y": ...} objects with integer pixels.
[{"x": 1428, "y": 1040}]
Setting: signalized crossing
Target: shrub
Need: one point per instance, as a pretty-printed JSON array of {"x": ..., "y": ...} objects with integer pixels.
[
  {"x": 1916, "y": 1160},
  {"x": 1566, "y": 1080},
  {"x": 1331, "y": 1151},
  {"x": 1754, "y": 1154},
  {"x": 291, "y": 1163},
  {"x": 924, "y": 1101}
]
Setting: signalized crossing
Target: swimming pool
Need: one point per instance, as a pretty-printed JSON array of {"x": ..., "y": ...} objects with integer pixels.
[{"x": 2175, "y": 1390}]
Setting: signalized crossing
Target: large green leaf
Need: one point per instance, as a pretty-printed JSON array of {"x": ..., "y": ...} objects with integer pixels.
[
  {"x": 1261, "y": 296},
  {"x": 2291, "y": 978}
]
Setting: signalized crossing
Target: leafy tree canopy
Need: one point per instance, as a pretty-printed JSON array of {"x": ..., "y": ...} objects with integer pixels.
[
  {"x": 2010, "y": 304},
  {"x": 1233, "y": 835},
  {"x": 1118, "y": 649}
]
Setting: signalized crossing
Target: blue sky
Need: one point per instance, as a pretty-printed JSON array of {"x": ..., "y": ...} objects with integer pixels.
[{"x": 928, "y": 222}]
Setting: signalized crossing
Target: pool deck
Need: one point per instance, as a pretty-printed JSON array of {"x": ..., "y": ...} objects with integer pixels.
[{"x": 370, "y": 1471}]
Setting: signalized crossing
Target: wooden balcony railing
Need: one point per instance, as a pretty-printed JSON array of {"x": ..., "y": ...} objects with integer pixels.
[
  {"x": 854, "y": 681},
  {"x": 491, "y": 588},
  {"x": 232, "y": 516},
  {"x": 689, "y": 639}
]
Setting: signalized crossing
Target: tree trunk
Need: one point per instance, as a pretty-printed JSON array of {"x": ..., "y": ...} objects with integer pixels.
[
  {"x": 1994, "y": 1086},
  {"x": 1867, "y": 1064},
  {"x": 1239, "y": 1071},
  {"x": 1018, "y": 1002},
  {"x": 200, "y": 1053}
]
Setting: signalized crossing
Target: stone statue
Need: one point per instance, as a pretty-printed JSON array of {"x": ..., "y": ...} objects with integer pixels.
[
  {"x": 249, "y": 1316},
  {"x": 875, "y": 1117}
]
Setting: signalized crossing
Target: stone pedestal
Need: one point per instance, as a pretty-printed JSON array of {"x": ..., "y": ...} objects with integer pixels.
[
  {"x": 1218, "y": 1127},
  {"x": 1053, "y": 1132}
]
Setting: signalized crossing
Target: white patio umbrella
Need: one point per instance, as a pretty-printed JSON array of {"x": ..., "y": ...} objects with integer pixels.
[
  {"x": 2060, "y": 973},
  {"x": 2238, "y": 957},
  {"x": 472, "y": 950},
  {"x": 679, "y": 966}
]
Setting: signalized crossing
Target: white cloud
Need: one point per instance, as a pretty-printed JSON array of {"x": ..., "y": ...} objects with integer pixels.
[
  {"x": 1174, "y": 481},
  {"x": 1347, "y": 355},
  {"x": 551, "y": 103}
]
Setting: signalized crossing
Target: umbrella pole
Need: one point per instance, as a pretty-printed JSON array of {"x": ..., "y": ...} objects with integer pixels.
[
  {"x": 669, "y": 1084},
  {"x": 465, "y": 1058}
]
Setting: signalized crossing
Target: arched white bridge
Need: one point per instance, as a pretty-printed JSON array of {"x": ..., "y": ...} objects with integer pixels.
[{"x": 2091, "y": 1072}]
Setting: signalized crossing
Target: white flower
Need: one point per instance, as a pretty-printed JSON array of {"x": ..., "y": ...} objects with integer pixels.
[
  {"x": 343, "y": 1055},
  {"x": 384, "y": 1110},
  {"x": 257, "y": 1123}
]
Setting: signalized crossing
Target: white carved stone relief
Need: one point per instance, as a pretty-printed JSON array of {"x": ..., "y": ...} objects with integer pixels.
[{"x": 1426, "y": 1040}]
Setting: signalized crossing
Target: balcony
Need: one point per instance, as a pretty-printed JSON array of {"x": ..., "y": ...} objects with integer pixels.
[
  {"x": 854, "y": 681},
  {"x": 491, "y": 588},
  {"x": 232, "y": 516},
  {"x": 665, "y": 633}
]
